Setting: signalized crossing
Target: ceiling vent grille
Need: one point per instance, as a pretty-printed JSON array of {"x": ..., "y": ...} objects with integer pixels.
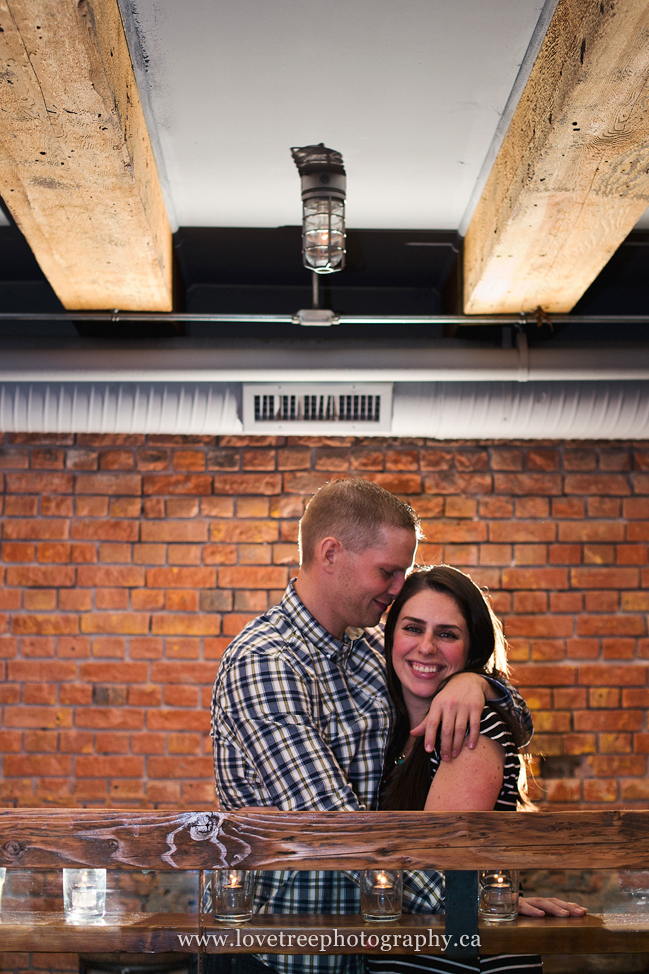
[{"x": 322, "y": 408}]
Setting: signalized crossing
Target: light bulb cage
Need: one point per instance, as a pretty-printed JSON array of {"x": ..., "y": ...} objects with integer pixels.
[{"x": 323, "y": 207}]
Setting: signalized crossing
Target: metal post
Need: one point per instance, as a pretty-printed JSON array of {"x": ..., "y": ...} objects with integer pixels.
[{"x": 461, "y": 913}]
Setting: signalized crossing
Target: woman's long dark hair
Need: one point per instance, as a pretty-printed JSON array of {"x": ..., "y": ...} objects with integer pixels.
[{"x": 406, "y": 785}]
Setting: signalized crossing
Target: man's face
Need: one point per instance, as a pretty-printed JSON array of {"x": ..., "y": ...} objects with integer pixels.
[{"x": 369, "y": 581}]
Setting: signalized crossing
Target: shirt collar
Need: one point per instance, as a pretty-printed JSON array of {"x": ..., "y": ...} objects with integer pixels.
[{"x": 308, "y": 626}]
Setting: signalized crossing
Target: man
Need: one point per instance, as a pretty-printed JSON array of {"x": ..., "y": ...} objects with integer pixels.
[{"x": 300, "y": 712}]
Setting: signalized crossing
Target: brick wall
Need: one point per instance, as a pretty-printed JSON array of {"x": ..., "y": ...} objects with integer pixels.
[{"x": 129, "y": 562}]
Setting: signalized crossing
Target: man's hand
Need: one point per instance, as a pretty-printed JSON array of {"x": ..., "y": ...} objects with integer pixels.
[
  {"x": 458, "y": 706},
  {"x": 540, "y": 906}
]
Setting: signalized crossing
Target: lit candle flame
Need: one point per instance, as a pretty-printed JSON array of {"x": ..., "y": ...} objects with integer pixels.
[
  {"x": 234, "y": 882},
  {"x": 382, "y": 880}
]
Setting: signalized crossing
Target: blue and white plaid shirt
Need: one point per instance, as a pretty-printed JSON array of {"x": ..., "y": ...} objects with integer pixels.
[{"x": 300, "y": 721}]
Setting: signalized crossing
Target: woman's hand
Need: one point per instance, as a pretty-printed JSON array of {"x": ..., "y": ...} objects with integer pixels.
[
  {"x": 540, "y": 906},
  {"x": 457, "y": 706}
]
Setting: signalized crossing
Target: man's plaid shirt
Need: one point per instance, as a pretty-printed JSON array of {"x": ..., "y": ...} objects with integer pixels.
[{"x": 300, "y": 721}]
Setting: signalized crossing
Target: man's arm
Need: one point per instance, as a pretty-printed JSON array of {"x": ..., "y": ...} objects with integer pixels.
[
  {"x": 268, "y": 749},
  {"x": 459, "y": 706}
]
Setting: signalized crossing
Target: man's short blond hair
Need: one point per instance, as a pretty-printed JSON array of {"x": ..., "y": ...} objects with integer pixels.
[{"x": 353, "y": 512}]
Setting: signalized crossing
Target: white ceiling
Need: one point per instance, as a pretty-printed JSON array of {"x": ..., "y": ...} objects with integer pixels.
[{"x": 410, "y": 91}]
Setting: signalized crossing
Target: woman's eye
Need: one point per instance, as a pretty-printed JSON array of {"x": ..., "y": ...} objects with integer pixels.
[
  {"x": 411, "y": 628},
  {"x": 448, "y": 635}
]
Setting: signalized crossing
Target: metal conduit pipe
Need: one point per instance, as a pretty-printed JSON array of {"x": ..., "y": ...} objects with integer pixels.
[{"x": 439, "y": 410}]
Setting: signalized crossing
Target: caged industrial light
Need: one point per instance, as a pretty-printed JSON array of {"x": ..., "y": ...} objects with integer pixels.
[{"x": 323, "y": 207}]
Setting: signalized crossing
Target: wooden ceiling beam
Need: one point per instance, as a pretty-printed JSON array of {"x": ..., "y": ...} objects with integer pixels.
[
  {"x": 572, "y": 176},
  {"x": 76, "y": 166}
]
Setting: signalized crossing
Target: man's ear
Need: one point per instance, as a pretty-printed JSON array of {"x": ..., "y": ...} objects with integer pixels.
[{"x": 328, "y": 553}]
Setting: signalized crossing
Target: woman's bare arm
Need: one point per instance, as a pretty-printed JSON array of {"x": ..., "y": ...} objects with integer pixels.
[{"x": 470, "y": 783}]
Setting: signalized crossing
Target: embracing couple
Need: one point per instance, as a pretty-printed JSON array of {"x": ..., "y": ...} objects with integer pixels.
[{"x": 306, "y": 716}]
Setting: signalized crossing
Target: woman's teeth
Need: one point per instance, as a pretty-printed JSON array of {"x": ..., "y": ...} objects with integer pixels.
[{"x": 425, "y": 668}]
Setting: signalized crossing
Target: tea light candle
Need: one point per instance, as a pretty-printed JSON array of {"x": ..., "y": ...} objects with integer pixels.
[
  {"x": 232, "y": 894},
  {"x": 381, "y": 892},
  {"x": 84, "y": 893}
]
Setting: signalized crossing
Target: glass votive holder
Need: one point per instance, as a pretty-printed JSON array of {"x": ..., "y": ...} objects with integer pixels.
[
  {"x": 381, "y": 894},
  {"x": 232, "y": 894},
  {"x": 498, "y": 894},
  {"x": 84, "y": 895}
]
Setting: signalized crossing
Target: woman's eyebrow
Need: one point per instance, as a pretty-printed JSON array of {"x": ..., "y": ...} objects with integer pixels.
[{"x": 422, "y": 622}]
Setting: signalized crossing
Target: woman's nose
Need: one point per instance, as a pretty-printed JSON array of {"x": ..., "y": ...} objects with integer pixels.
[{"x": 428, "y": 644}]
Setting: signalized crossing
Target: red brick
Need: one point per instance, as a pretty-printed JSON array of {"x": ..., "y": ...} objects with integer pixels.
[
  {"x": 188, "y": 460},
  {"x": 20, "y": 506},
  {"x": 608, "y": 720},
  {"x": 247, "y": 531},
  {"x": 42, "y": 717},
  {"x": 153, "y": 506},
  {"x": 602, "y": 483},
  {"x": 533, "y": 507},
  {"x": 599, "y": 554},
  {"x": 181, "y": 577},
  {"x": 181, "y": 671},
  {"x": 618, "y": 648},
  {"x": 109, "y": 647},
  {"x": 73, "y": 647},
  {"x": 604, "y": 577},
  {"x": 427, "y": 554},
  {"x": 542, "y": 460},
  {"x": 110, "y": 439},
  {"x": 39, "y": 483},
  {"x": 9, "y": 599},
  {"x": 125, "y": 506},
  {"x": 117, "y": 460},
  {"x": 567, "y": 698},
  {"x": 181, "y": 600},
  {"x": 75, "y": 694},
  {"x": 591, "y": 531},
  {"x": 94, "y": 672},
  {"x": 461, "y": 554},
  {"x": 635, "y": 697},
  {"x": 534, "y": 578},
  {"x": 527, "y": 483},
  {"x": 618, "y": 764},
  {"x": 450, "y": 530},
  {"x": 96, "y": 766},
  {"x": 436, "y": 459},
  {"x": 108, "y": 483},
  {"x": 56, "y": 506},
  {"x": 530, "y": 554},
  {"x": 632, "y": 554},
  {"x": 145, "y": 696},
  {"x": 223, "y": 460},
  {"x": 471, "y": 459},
  {"x": 545, "y": 675},
  {"x": 83, "y": 553},
  {"x": 635, "y": 507},
  {"x": 180, "y": 720},
  {"x": 47, "y": 670},
  {"x": 110, "y": 718},
  {"x": 14, "y": 459},
  {"x": 634, "y": 601},
  {"x": 604, "y": 506},
  {"x": 180, "y": 767},
  {"x": 18, "y": 551},
  {"x": 135, "y": 623},
  {"x": 181, "y": 696},
  {"x": 568, "y": 507},
  {"x": 39, "y": 600},
  {"x": 539, "y": 625},
  {"x": 255, "y": 554},
  {"x": 505, "y": 458},
  {"x": 103, "y": 575},
  {"x": 81, "y": 459},
  {"x": 641, "y": 743},
  {"x": 253, "y": 578},
  {"x": 495, "y": 554},
  {"x": 185, "y": 625},
  {"x": 553, "y": 722},
  {"x": 511, "y": 531},
  {"x": 32, "y": 576},
  {"x": 599, "y": 790},
  {"x": 563, "y": 789},
  {"x": 530, "y": 602},
  {"x": 146, "y": 648},
  {"x": 496, "y": 507},
  {"x": 397, "y": 483},
  {"x": 91, "y": 506},
  {"x": 148, "y": 743},
  {"x": 181, "y": 506},
  {"x": 613, "y": 675},
  {"x": 187, "y": 531},
  {"x": 149, "y": 554},
  {"x": 36, "y": 764},
  {"x": 220, "y": 554},
  {"x": 454, "y": 482},
  {"x": 105, "y": 530},
  {"x": 36, "y": 529},
  {"x": 601, "y": 601},
  {"x": 604, "y": 697},
  {"x": 45, "y": 625},
  {"x": 611, "y": 625},
  {"x": 641, "y": 483},
  {"x": 615, "y": 743},
  {"x": 460, "y": 507},
  {"x": 184, "y": 554},
  {"x": 249, "y": 506},
  {"x": 637, "y": 531},
  {"x": 580, "y": 743},
  {"x": 300, "y": 459},
  {"x": 185, "y": 647},
  {"x": 52, "y": 552},
  {"x": 580, "y": 459},
  {"x": 180, "y": 484},
  {"x": 564, "y": 554}
]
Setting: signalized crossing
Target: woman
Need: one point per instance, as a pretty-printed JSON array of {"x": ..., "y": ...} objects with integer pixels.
[{"x": 440, "y": 624}]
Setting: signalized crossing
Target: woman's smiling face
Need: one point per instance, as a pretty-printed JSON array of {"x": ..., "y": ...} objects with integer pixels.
[{"x": 431, "y": 642}]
